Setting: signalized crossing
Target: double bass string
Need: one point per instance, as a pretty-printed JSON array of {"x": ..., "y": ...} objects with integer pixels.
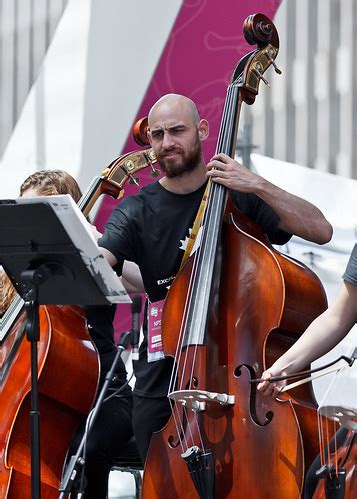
[
  {"x": 189, "y": 307},
  {"x": 324, "y": 443},
  {"x": 226, "y": 124},
  {"x": 324, "y": 440},
  {"x": 174, "y": 373},
  {"x": 225, "y": 131},
  {"x": 227, "y": 121}
]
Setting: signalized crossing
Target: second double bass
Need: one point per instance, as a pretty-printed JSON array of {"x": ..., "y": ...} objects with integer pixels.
[{"x": 64, "y": 348}]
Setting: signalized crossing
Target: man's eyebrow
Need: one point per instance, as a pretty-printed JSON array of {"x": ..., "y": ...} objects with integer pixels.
[
  {"x": 172, "y": 127},
  {"x": 179, "y": 125}
]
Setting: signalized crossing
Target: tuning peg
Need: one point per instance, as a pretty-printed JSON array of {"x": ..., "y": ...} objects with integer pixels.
[
  {"x": 133, "y": 180},
  {"x": 129, "y": 165},
  {"x": 270, "y": 55},
  {"x": 277, "y": 70},
  {"x": 154, "y": 171},
  {"x": 257, "y": 71},
  {"x": 151, "y": 157}
]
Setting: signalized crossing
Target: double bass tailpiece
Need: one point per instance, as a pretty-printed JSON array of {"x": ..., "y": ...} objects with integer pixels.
[{"x": 201, "y": 468}]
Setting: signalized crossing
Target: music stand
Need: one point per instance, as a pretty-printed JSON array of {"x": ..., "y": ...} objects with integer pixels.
[{"x": 47, "y": 266}]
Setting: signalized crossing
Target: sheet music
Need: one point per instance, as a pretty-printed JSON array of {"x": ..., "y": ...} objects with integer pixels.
[{"x": 79, "y": 230}]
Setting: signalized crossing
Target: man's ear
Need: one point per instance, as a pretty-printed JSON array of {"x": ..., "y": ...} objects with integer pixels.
[{"x": 203, "y": 130}]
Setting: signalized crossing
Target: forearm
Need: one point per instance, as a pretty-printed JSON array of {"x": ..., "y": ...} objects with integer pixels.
[
  {"x": 108, "y": 255},
  {"x": 321, "y": 336},
  {"x": 131, "y": 287},
  {"x": 131, "y": 278},
  {"x": 297, "y": 216}
]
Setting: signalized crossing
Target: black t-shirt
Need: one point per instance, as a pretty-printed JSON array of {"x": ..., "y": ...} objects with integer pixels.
[
  {"x": 100, "y": 326},
  {"x": 151, "y": 229},
  {"x": 350, "y": 274}
]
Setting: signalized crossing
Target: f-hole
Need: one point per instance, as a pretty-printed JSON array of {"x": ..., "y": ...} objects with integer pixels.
[{"x": 253, "y": 396}]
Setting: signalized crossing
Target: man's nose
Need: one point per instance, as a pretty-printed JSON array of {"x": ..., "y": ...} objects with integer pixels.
[{"x": 168, "y": 140}]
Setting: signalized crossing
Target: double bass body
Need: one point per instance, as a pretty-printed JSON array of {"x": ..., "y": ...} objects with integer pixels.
[
  {"x": 66, "y": 356},
  {"x": 257, "y": 444}
]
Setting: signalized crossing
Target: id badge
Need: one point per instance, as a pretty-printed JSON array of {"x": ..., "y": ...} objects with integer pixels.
[{"x": 155, "y": 351}]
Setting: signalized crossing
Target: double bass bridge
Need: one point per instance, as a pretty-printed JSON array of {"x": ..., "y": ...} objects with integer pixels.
[{"x": 196, "y": 399}]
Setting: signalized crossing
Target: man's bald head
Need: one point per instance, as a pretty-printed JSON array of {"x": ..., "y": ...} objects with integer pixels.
[
  {"x": 174, "y": 105},
  {"x": 175, "y": 133}
]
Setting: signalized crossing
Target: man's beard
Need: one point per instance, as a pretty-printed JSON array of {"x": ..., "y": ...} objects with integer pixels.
[{"x": 187, "y": 163}]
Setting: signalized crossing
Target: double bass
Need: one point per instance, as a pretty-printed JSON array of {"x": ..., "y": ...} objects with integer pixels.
[
  {"x": 66, "y": 356},
  {"x": 236, "y": 303},
  {"x": 338, "y": 473},
  {"x": 336, "y": 469}
]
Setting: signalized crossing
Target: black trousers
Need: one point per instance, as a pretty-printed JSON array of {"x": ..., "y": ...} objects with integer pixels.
[
  {"x": 111, "y": 431},
  {"x": 149, "y": 415}
]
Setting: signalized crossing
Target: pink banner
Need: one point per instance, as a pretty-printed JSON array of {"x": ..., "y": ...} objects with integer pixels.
[{"x": 204, "y": 46}]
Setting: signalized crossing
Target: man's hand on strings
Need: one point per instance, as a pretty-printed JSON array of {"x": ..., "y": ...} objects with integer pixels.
[
  {"x": 228, "y": 172},
  {"x": 271, "y": 389}
]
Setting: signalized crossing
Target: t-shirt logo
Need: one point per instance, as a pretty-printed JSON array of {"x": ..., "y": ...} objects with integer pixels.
[
  {"x": 166, "y": 280},
  {"x": 197, "y": 242},
  {"x": 183, "y": 246}
]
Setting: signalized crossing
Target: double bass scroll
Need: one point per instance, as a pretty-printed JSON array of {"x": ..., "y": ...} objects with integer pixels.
[{"x": 121, "y": 170}]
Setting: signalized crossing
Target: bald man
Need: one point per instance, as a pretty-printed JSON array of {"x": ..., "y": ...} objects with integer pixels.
[{"x": 151, "y": 229}]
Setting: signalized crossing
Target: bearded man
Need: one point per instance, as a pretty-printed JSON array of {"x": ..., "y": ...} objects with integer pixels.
[{"x": 152, "y": 228}]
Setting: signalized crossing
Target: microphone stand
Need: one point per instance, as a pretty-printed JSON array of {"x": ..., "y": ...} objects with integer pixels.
[{"x": 77, "y": 461}]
